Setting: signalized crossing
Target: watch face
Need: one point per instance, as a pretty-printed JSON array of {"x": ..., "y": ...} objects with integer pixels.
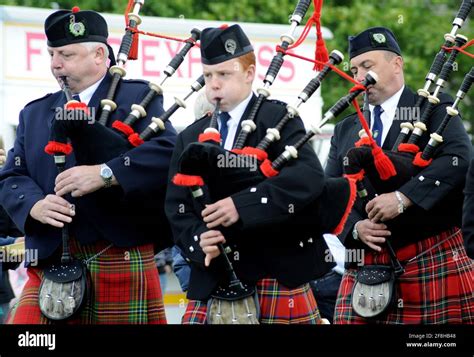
[{"x": 106, "y": 172}]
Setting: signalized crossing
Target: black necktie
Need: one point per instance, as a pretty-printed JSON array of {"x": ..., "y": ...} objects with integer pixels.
[
  {"x": 377, "y": 129},
  {"x": 224, "y": 117},
  {"x": 76, "y": 97}
]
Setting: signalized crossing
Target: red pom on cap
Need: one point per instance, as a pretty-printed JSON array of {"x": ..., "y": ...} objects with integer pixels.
[
  {"x": 76, "y": 9},
  {"x": 223, "y": 26}
]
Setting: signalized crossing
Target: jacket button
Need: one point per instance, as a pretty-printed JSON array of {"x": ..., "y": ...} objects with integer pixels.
[
  {"x": 21, "y": 197},
  {"x": 14, "y": 187}
]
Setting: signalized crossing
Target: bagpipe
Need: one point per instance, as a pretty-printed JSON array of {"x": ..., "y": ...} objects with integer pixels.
[
  {"x": 92, "y": 140},
  {"x": 407, "y": 159},
  {"x": 200, "y": 171}
]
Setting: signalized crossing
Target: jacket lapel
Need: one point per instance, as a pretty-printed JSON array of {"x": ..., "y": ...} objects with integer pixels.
[
  {"x": 405, "y": 112},
  {"x": 244, "y": 116},
  {"x": 101, "y": 93},
  {"x": 58, "y": 104}
]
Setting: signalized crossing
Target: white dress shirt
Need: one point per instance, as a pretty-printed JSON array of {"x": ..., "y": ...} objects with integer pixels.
[
  {"x": 233, "y": 122},
  {"x": 86, "y": 95},
  {"x": 389, "y": 110}
]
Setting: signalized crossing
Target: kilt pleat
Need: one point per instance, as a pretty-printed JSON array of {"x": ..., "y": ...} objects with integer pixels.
[
  {"x": 278, "y": 305},
  {"x": 436, "y": 288},
  {"x": 125, "y": 288}
]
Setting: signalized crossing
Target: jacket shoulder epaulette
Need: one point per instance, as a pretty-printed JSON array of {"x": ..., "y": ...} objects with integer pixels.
[
  {"x": 279, "y": 102},
  {"x": 38, "y": 99},
  {"x": 136, "y": 81}
]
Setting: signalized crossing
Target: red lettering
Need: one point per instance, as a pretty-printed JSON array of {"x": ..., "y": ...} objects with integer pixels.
[
  {"x": 146, "y": 58},
  {"x": 194, "y": 57},
  {"x": 173, "y": 53},
  {"x": 287, "y": 64},
  {"x": 263, "y": 62},
  {"x": 265, "y": 56},
  {"x": 30, "y": 51}
]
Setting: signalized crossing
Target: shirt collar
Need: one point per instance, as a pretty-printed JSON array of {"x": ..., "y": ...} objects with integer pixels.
[
  {"x": 239, "y": 110},
  {"x": 87, "y": 93},
  {"x": 390, "y": 105}
]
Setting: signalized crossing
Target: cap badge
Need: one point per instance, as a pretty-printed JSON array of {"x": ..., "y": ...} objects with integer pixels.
[
  {"x": 379, "y": 37},
  {"x": 230, "y": 46},
  {"x": 76, "y": 28}
]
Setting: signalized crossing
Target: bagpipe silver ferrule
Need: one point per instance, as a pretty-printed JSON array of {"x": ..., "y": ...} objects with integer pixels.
[
  {"x": 263, "y": 91},
  {"x": 406, "y": 128},
  {"x": 435, "y": 139},
  {"x": 451, "y": 37},
  {"x": 419, "y": 129},
  {"x": 156, "y": 87},
  {"x": 290, "y": 152},
  {"x": 108, "y": 105},
  {"x": 138, "y": 111},
  {"x": 133, "y": 16},
  {"x": 286, "y": 37},
  {"x": 292, "y": 111},
  {"x": 59, "y": 159},
  {"x": 197, "y": 192},
  {"x": 248, "y": 126},
  {"x": 452, "y": 111},
  {"x": 272, "y": 134},
  {"x": 423, "y": 93},
  {"x": 117, "y": 69},
  {"x": 180, "y": 102},
  {"x": 433, "y": 99},
  {"x": 213, "y": 130},
  {"x": 160, "y": 124}
]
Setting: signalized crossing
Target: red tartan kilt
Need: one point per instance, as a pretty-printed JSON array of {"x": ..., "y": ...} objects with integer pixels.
[
  {"x": 278, "y": 305},
  {"x": 436, "y": 288},
  {"x": 125, "y": 289}
]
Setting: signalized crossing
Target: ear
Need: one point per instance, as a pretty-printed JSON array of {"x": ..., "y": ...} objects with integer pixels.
[
  {"x": 99, "y": 55},
  {"x": 250, "y": 73},
  {"x": 398, "y": 64}
]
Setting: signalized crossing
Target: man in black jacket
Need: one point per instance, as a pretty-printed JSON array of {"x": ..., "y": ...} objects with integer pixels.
[
  {"x": 266, "y": 249},
  {"x": 8, "y": 233},
  {"x": 116, "y": 203},
  {"x": 426, "y": 291}
]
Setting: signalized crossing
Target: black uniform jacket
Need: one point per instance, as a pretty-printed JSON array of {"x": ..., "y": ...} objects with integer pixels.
[
  {"x": 437, "y": 189},
  {"x": 128, "y": 215},
  {"x": 264, "y": 241},
  {"x": 468, "y": 213}
]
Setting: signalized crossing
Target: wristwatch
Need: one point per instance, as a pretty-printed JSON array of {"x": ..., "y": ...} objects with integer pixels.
[
  {"x": 106, "y": 174},
  {"x": 355, "y": 233}
]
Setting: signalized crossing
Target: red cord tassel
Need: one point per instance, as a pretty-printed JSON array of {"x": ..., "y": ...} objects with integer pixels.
[
  {"x": 187, "y": 180},
  {"x": 383, "y": 164},
  {"x": 420, "y": 162},
  {"x": 410, "y": 148},
  {"x": 123, "y": 128},
  {"x": 350, "y": 204},
  {"x": 267, "y": 169},
  {"x": 55, "y": 147},
  {"x": 133, "y": 54},
  {"x": 211, "y": 136},
  {"x": 357, "y": 176},
  {"x": 250, "y": 151},
  {"x": 365, "y": 141},
  {"x": 321, "y": 54},
  {"x": 135, "y": 140}
]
